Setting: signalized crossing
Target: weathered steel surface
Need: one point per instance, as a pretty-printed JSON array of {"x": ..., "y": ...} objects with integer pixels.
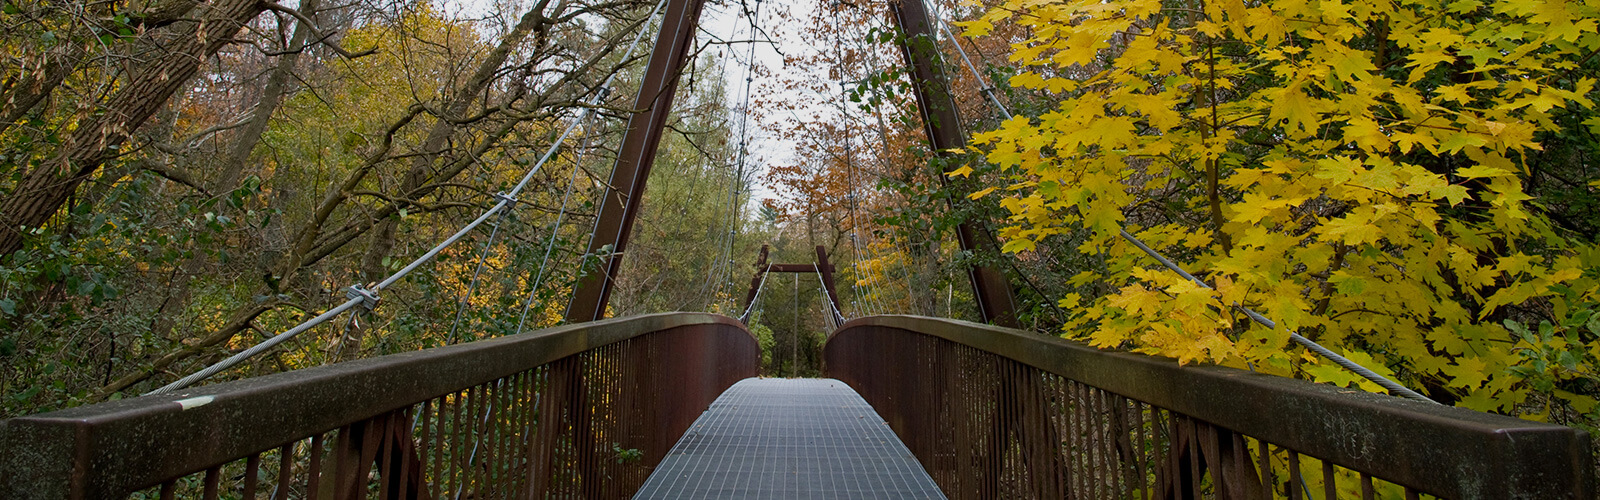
[
  {"x": 991, "y": 289},
  {"x": 638, "y": 381},
  {"x": 956, "y": 392},
  {"x": 798, "y": 268},
  {"x": 621, "y": 204}
]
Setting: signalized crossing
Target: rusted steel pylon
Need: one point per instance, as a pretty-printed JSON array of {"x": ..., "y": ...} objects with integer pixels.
[
  {"x": 638, "y": 153},
  {"x": 990, "y": 287}
]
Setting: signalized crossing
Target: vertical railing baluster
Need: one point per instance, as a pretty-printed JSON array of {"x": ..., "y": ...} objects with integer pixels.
[
  {"x": 405, "y": 437},
  {"x": 386, "y": 446},
  {"x": 1295, "y": 489},
  {"x": 314, "y": 472},
  {"x": 212, "y": 480},
  {"x": 495, "y": 427},
  {"x": 1367, "y": 491},
  {"x": 1330, "y": 486},
  {"x": 1108, "y": 435},
  {"x": 511, "y": 442},
  {"x": 1142, "y": 449},
  {"x": 424, "y": 451},
  {"x": 1121, "y": 453},
  {"x": 517, "y": 425},
  {"x": 441, "y": 451},
  {"x": 1193, "y": 444},
  {"x": 1085, "y": 445},
  {"x": 483, "y": 444},
  {"x": 449, "y": 481},
  {"x": 285, "y": 472},
  {"x": 252, "y": 470},
  {"x": 1211, "y": 455},
  {"x": 632, "y": 419},
  {"x": 1079, "y": 446},
  {"x": 1162, "y": 469},
  {"x": 1264, "y": 455},
  {"x": 1097, "y": 452},
  {"x": 467, "y": 441},
  {"x": 345, "y": 455},
  {"x": 617, "y": 423},
  {"x": 1241, "y": 466},
  {"x": 519, "y": 445}
]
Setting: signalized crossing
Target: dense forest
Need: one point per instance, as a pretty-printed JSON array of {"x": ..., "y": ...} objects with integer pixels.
[{"x": 1405, "y": 182}]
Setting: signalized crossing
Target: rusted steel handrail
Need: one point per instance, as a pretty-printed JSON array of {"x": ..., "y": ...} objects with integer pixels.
[
  {"x": 582, "y": 410},
  {"x": 996, "y": 412}
]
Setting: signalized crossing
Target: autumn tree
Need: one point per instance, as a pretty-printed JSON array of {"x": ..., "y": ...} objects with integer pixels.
[
  {"x": 1373, "y": 175},
  {"x": 249, "y": 198}
]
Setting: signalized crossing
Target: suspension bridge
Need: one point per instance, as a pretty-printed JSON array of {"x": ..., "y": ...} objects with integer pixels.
[{"x": 669, "y": 406}]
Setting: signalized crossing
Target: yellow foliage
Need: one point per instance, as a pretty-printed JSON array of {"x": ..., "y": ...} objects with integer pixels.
[{"x": 1323, "y": 128}]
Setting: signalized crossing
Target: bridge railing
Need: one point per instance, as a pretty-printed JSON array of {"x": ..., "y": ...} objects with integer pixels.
[
  {"x": 999, "y": 413},
  {"x": 581, "y": 411}
]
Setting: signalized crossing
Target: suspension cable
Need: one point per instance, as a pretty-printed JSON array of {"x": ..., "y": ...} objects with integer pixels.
[
  {"x": 555, "y": 231},
  {"x": 748, "y": 308},
  {"x": 1391, "y": 385},
  {"x": 838, "y": 317},
  {"x": 368, "y": 298},
  {"x": 1309, "y": 344},
  {"x": 483, "y": 257},
  {"x": 850, "y": 170},
  {"x": 734, "y": 208}
]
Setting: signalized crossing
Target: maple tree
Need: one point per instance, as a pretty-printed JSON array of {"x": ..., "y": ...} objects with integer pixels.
[{"x": 1357, "y": 171}]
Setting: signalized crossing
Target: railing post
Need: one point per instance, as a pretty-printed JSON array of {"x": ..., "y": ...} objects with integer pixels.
[
  {"x": 619, "y": 207},
  {"x": 989, "y": 285}
]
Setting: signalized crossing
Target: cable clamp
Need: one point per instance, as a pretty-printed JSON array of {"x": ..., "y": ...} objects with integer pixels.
[
  {"x": 510, "y": 202},
  {"x": 369, "y": 299}
]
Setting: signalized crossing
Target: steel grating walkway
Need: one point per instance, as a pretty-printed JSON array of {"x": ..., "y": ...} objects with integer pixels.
[{"x": 789, "y": 438}]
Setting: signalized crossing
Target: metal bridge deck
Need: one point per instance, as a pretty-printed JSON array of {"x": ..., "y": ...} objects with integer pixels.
[{"x": 789, "y": 438}]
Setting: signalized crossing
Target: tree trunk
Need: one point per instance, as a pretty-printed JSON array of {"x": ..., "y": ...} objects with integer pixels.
[
  {"x": 232, "y": 166},
  {"x": 43, "y": 190}
]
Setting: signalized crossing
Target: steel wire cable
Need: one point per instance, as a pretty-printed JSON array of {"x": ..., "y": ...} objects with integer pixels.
[
  {"x": 748, "y": 308},
  {"x": 466, "y": 296},
  {"x": 849, "y": 162},
  {"x": 368, "y": 297},
  {"x": 1296, "y": 337},
  {"x": 723, "y": 236},
  {"x": 838, "y": 316},
  {"x": 555, "y": 232},
  {"x": 734, "y": 207},
  {"x": 888, "y": 305},
  {"x": 1309, "y": 344}
]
